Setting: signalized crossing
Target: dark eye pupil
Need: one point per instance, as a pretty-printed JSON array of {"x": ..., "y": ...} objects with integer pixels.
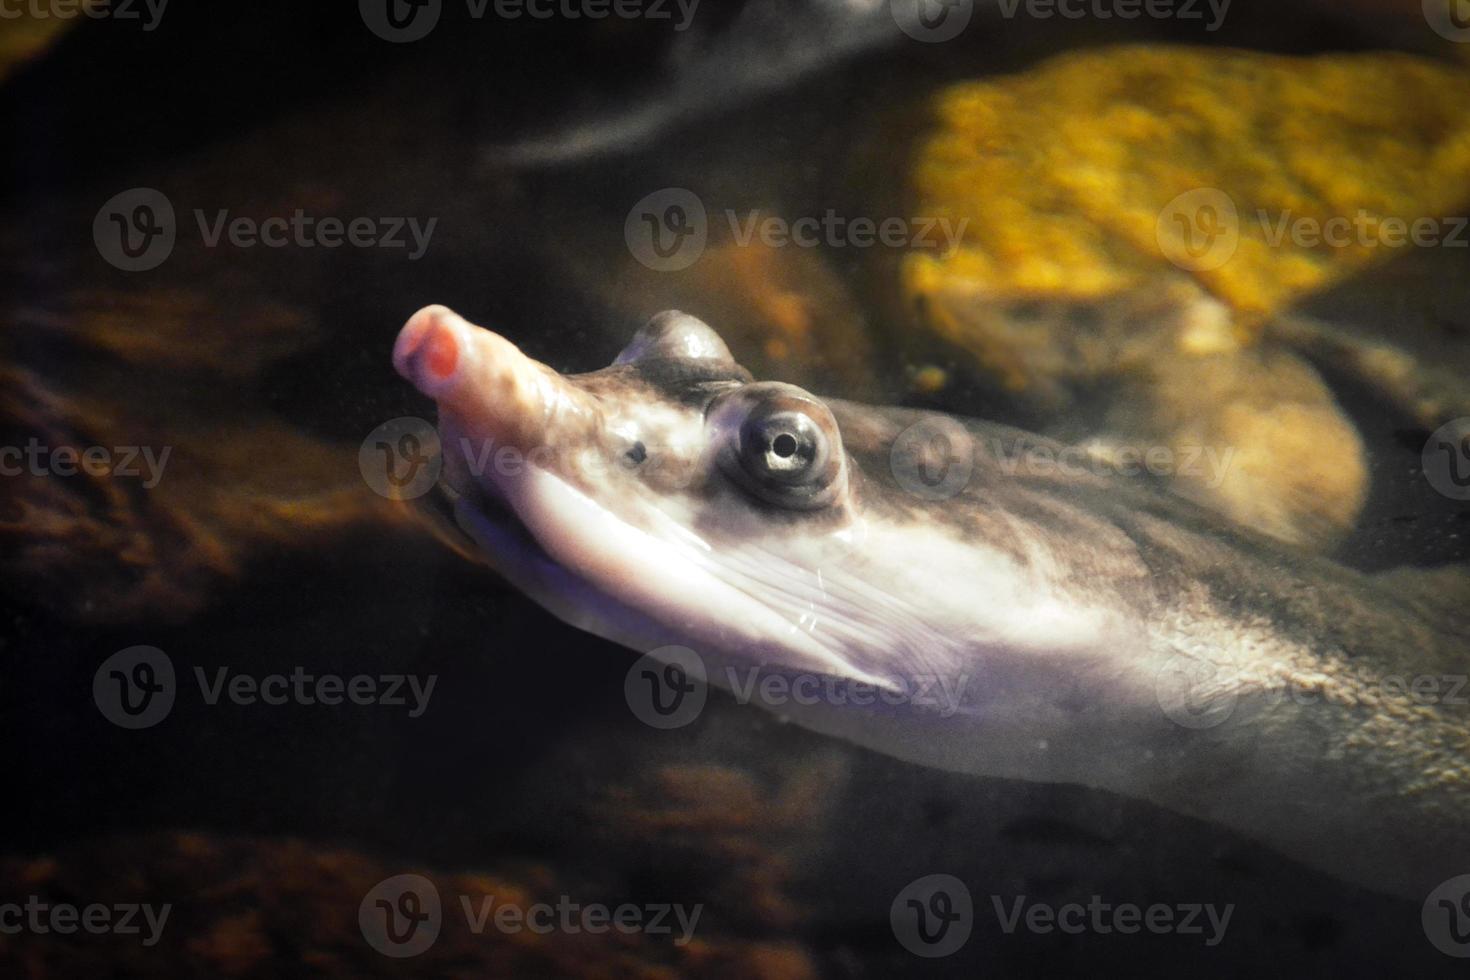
[{"x": 778, "y": 445}]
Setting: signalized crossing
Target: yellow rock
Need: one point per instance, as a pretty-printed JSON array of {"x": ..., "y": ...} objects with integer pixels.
[
  {"x": 1132, "y": 218},
  {"x": 1065, "y": 172}
]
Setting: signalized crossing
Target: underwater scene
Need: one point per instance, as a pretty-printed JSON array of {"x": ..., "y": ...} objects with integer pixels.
[{"x": 735, "y": 488}]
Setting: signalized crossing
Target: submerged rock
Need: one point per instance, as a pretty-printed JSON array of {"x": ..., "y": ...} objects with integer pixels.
[
  {"x": 186, "y": 479},
  {"x": 1136, "y": 215},
  {"x": 238, "y": 906}
]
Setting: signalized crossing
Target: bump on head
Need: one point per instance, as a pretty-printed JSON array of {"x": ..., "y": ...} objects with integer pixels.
[{"x": 676, "y": 335}]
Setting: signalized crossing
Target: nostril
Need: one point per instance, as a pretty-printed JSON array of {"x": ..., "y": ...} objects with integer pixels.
[
  {"x": 441, "y": 353},
  {"x": 429, "y": 349}
]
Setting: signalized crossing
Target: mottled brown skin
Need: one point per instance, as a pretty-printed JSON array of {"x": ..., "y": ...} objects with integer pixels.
[{"x": 1388, "y": 773}]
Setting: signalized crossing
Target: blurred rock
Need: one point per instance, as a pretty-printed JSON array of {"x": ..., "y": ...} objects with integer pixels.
[
  {"x": 198, "y": 477},
  {"x": 256, "y": 907},
  {"x": 1130, "y": 216},
  {"x": 1066, "y": 171}
]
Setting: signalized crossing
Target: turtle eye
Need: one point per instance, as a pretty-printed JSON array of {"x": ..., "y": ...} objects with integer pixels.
[
  {"x": 780, "y": 444},
  {"x": 784, "y": 447}
]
